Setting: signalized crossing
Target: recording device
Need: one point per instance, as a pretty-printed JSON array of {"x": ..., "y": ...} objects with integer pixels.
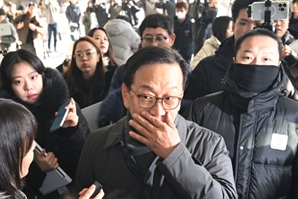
[
  {"x": 268, "y": 10},
  {"x": 98, "y": 187},
  {"x": 60, "y": 117},
  {"x": 278, "y": 10}
]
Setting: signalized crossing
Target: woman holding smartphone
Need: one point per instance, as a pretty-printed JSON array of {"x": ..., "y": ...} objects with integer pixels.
[
  {"x": 43, "y": 90},
  {"x": 17, "y": 133},
  {"x": 88, "y": 79}
]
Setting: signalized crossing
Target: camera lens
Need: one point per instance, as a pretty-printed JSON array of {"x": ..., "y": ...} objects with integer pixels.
[
  {"x": 280, "y": 5},
  {"x": 284, "y": 5},
  {"x": 282, "y": 9}
]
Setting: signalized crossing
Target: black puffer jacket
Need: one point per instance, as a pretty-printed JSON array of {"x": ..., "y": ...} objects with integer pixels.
[
  {"x": 65, "y": 143},
  {"x": 207, "y": 76},
  {"x": 248, "y": 122}
]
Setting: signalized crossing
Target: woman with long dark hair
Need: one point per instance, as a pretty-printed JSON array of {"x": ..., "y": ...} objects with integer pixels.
[
  {"x": 87, "y": 78},
  {"x": 17, "y": 133}
]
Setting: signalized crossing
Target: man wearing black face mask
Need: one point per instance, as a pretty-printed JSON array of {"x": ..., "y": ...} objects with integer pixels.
[{"x": 256, "y": 120}]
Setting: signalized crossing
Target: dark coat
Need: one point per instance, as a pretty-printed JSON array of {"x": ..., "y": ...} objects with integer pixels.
[
  {"x": 207, "y": 75},
  {"x": 73, "y": 13},
  {"x": 199, "y": 167},
  {"x": 117, "y": 78},
  {"x": 202, "y": 30},
  {"x": 101, "y": 15},
  {"x": 183, "y": 42},
  {"x": 111, "y": 109},
  {"x": 247, "y": 121},
  {"x": 65, "y": 143}
]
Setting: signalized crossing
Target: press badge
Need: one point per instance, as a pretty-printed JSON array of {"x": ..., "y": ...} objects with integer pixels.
[{"x": 279, "y": 141}]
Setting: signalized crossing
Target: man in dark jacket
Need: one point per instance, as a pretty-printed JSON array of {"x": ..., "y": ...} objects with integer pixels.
[
  {"x": 258, "y": 123},
  {"x": 183, "y": 31},
  {"x": 101, "y": 14},
  {"x": 153, "y": 152},
  {"x": 155, "y": 30},
  {"x": 206, "y": 77},
  {"x": 73, "y": 14}
]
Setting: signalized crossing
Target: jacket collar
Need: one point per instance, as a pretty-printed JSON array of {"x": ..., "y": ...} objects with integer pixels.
[
  {"x": 256, "y": 101},
  {"x": 287, "y": 38},
  {"x": 116, "y": 134}
]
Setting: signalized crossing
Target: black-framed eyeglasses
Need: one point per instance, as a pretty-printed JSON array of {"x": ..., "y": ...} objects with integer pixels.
[
  {"x": 157, "y": 39},
  {"x": 148, "y": 101},
  {"x": 79, "y": 56}
]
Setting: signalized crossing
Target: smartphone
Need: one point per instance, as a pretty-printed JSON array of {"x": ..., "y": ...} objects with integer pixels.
[
  {"x": 60, "y": 117},
  {"x": 98, "y": 187},
  {"x": 279, "y": 10}
]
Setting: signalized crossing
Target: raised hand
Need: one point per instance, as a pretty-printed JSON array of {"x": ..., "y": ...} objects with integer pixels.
[
  {"x": 161, "y": 137},
  {"x": 87, "y": 192}
]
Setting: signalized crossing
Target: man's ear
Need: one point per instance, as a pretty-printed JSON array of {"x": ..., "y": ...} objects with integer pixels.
[
  {"x": 125, "y": 95},
  {"x": 233, "y": 59},
  {"x": 173, "y": 37},
  {"x": 233, "y": 27}
]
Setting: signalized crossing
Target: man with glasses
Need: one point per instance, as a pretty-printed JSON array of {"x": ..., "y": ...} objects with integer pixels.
[
  {"x": 258, "y": 123},
  {"x": 153, "y": 152},
  {"x": 155, "y": 30}
]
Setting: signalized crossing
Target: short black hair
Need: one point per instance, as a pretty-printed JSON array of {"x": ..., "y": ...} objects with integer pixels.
[
  {"x": 259, "y": 32},
  {"x": 220, "y": 26},
  {"x": 157, "y": 21},
  {"x": 239, "y": 5},
  {"x": 153, "y": 55}
]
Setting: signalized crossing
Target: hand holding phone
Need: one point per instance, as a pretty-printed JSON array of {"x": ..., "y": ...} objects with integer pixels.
[
  {"x": 66, "y": 116},
  {"x": 94, "y": 191},
  {"x": 60, "y": 117}
]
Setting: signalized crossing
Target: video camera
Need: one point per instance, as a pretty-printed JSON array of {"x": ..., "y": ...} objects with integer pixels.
[{"x": 268, "y": 11}]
